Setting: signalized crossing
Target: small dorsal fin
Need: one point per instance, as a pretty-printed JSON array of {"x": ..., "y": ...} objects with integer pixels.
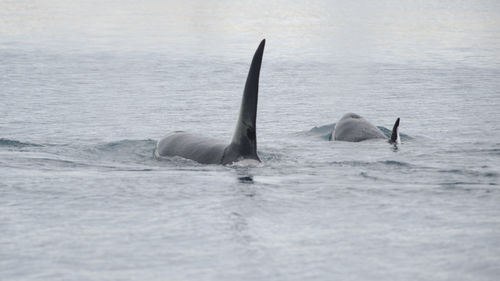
[
  {"x": 395, "y": 133},
  {"x": 245, "y": 138}
]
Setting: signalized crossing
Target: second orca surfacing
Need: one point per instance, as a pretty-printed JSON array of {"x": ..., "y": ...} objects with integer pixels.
[
  {"x": 244, "y": 143},
  {"x": 354, "y": 128}
]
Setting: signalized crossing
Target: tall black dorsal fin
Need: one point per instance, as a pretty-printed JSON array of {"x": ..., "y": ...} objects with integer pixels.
[
  {"x": 395, "y": 133},
  {"x": 245, "y": 137}
]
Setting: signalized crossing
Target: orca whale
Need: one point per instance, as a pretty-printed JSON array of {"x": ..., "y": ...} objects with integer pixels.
[
  {"x": 244, "y": 142},
  {"x": 354, "y": 128}
]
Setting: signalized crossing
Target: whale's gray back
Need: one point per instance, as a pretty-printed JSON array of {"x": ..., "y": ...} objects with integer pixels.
[
  {"x": 353, "y": 127},
  {"x": 198, "y": 148}
]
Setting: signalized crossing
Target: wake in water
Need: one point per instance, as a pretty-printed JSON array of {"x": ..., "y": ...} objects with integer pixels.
[
  {"x": 124, "y": 154},
  {"x": 137, "y": 155},
  {"x": 15, "y": 143}
]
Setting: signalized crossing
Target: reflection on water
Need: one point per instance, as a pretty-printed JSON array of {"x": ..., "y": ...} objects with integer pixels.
[
  {"x": 384, "y": 31},
  {"x": 246, "y": 179}
]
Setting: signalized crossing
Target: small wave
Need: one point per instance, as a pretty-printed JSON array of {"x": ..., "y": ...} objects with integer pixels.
[
  {"x": 323, "y": 132},
  {"x": 126, "y": 144},
  {"x": 365, "y": 175},
  {"x": 469, "y": 186},
  {"x": 451, "y": 184},
  {"x": 470, "y": 173},
  {"x": 124, "y": 150},
  {"x": 266, "y": 156},
  {"x": 396, "y": 163},
  {"x": 50, "y": 163},
  {"x": 15, "y": 143},
  {"x": 486, "y": 151},
  {"x": 364, "y": 164},
  {"x": 495, "y": 151},
  {"x": 112, "y": 154}
]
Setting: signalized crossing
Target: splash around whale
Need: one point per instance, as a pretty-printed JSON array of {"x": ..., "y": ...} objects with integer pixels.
[{"x": 244, "y": 142}]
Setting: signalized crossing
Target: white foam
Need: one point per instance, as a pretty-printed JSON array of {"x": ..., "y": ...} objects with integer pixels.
[{"x": 246, "y": 163}]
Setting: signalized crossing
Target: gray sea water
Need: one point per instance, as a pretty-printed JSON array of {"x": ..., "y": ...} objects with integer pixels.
[{"x": 88, "y": 87}]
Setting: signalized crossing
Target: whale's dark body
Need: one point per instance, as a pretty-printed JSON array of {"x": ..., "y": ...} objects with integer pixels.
[
  {"x": 354, "y": 128},
  {"x": 244, "y": 143}
]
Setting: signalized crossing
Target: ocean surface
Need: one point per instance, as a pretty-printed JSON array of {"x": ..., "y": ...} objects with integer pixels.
[{"x": 87, "y": 88}]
